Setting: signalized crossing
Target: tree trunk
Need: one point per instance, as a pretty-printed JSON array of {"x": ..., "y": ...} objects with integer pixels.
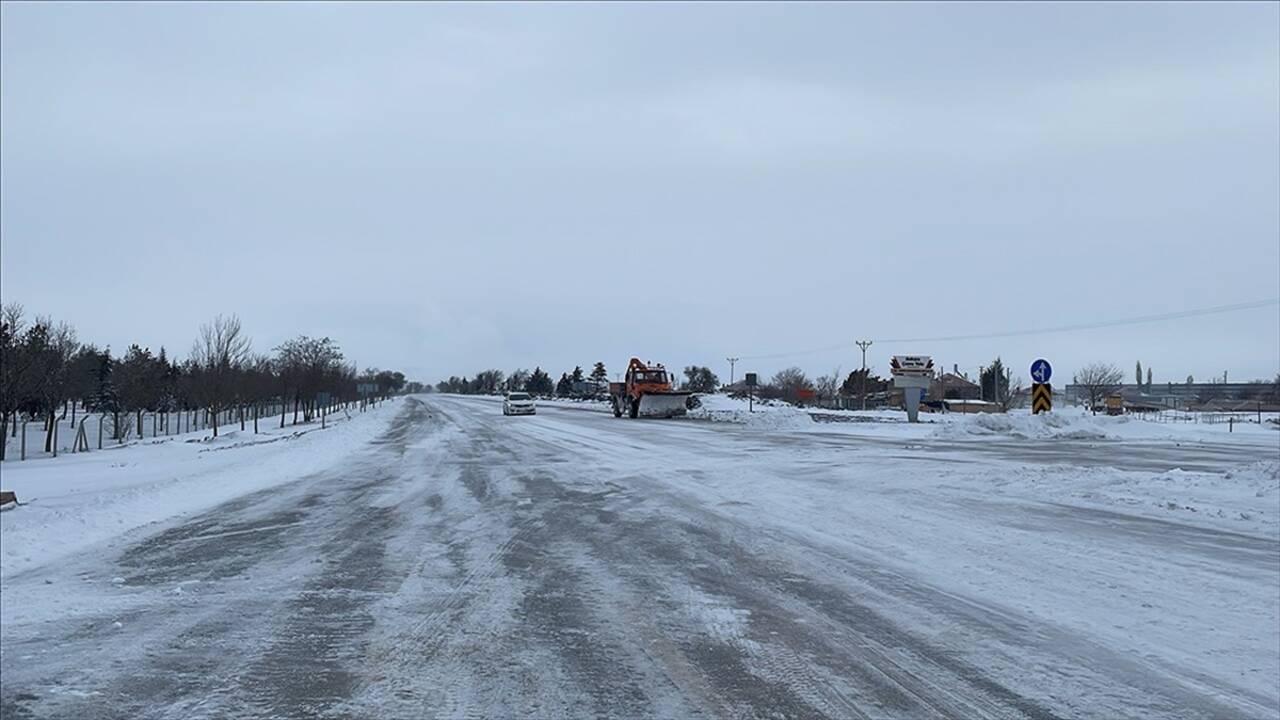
[
  {"x": 4, "y": 432},
  {"x": 295, "y": 409},
  {"x": 140, "y": 433},
  {"x": 215, "y": 422},
  {"x": 242, "y": 418},
  {"x": 255, "y": 419}
]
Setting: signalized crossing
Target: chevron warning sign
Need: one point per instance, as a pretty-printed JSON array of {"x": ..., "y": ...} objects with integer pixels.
[{"x": 1041, "y": 398}]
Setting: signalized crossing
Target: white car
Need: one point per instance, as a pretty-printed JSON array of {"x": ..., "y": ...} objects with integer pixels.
[{"x": 518, "y": 403}]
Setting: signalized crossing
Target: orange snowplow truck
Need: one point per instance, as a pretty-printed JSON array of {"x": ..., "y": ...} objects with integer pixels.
[{"x": 647, "y": 393}]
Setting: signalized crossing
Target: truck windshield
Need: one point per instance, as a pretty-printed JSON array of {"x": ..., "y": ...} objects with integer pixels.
[{"x": 650, "y": 377}]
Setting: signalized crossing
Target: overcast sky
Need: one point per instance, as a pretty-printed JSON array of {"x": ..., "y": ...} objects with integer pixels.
[{"x": 445, "y": 188}]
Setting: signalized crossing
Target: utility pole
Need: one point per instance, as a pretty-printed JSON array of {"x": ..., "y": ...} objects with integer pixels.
[
  {"x": 732, "y": 362},
  {"x": 864, "y": 344}
]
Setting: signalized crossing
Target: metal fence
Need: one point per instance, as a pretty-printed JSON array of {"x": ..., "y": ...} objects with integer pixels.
[{"x": 25, "y": 438}]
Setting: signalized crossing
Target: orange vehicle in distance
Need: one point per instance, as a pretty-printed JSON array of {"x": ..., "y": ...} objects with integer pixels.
[{"x": 647, "y": 392}]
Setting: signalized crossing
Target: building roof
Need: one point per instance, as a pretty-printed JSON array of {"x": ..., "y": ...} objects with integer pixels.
[{"x": 956, "y": 380}]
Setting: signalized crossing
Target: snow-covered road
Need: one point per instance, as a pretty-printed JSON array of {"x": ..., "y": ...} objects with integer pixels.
[{"x": 571, "y": 564}]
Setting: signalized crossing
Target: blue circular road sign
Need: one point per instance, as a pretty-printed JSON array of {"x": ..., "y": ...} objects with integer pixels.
[{"x": 1041, "y": 371}]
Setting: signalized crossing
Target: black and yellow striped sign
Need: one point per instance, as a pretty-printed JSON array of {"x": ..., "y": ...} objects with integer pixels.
[{"x": 1041, "y": 398}]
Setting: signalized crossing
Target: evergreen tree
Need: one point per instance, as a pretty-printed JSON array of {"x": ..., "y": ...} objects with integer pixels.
[
  {"x": 1137, "y": 373},
  {"x": 517, "y": 380},
  {"x": 995, "y": 381},
  {"x": 82, "y": 376},
  {"x": 700, "y": 379},
  {"x": 598, "y": 372},
  {"x": 564, "y": 388},
  {"x": 104, "y": 392},
  {"x": 1148, "y": 379},
  {"x": 577, "y": 374},
  {"x": 858, "y": 379},
  {"x": 539, "y": 383}
]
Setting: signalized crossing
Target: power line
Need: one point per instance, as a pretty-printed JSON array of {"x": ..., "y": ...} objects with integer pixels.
[{"x": 1214, "y": 310}]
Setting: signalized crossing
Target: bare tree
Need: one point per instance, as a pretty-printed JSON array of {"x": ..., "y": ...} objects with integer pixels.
[
  {"x": 489, "y": 382},
  {"x": 1012, "y": 392},
  {"x": 1099, "y": 380},
  {"x": 789, "y": 383},
  {"x": 48, "y": 349},
  {"x": 217, "y": 357},
  {"x": 309, "y": 367},
  {"x": 827, "y": 386}
]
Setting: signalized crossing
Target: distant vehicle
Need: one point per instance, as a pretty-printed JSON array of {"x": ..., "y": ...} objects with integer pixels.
[
  {"x": 518, "y": 403},
  {"x": 646, "y": 392}
]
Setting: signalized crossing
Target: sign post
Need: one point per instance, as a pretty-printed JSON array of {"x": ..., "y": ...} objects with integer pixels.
[
  {"x": 911, "y": 374},
  {"x": 1041, "y": 390},
  {"x": 751, "y": 384}
]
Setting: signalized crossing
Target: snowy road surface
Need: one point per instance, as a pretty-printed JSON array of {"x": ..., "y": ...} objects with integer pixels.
[{"x": 571, "y": 564}]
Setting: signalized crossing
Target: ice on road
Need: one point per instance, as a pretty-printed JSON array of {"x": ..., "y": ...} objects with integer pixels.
[{"x": 569, "y": 564}]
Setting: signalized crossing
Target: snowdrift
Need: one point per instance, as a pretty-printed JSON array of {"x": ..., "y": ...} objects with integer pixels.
[
  {"x": 767, "y": 416},
  {"x": 1064, "y": 426}
]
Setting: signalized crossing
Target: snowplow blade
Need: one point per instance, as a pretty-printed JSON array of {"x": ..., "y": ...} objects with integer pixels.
[{"x": 663, "y": 404}]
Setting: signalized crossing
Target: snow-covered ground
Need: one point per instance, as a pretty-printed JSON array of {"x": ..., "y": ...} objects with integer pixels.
[
  {"x": 76, "y": 500},
  {"x": 455, "y": 561},
  {"x": 1063, "y": 423}
]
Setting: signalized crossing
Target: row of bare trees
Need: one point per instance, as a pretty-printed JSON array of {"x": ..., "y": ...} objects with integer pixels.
[{"x": 45, "y": 370}]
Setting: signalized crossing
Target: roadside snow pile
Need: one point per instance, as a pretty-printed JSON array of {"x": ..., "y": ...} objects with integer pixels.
[
  {"x": 73, "y": 501},
  {"x": 1247, "y": 493},
  {"x": 1263, "y": 477},
  {"x": 1063, "y": 426},
  {"x": 1244, "y": 499},
  {"x": 722, "y": 408}
]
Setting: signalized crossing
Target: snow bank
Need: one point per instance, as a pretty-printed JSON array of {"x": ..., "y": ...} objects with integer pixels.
[
  {"x": 1242, "y": 499},
  {"x": 73, "y": 501},
  {"x": 1076, "y": 424},
  {"x": 1048, "y": 425},
  {"x": 764, "y": 416}
]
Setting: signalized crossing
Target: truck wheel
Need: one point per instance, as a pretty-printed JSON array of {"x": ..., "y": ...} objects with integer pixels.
[
  {"x": 635, "y": 409},
  {"x": 617, "y": 409}
]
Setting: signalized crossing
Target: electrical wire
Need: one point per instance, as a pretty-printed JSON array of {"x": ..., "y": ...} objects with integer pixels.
[{"x": 1159, "y": 317}]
